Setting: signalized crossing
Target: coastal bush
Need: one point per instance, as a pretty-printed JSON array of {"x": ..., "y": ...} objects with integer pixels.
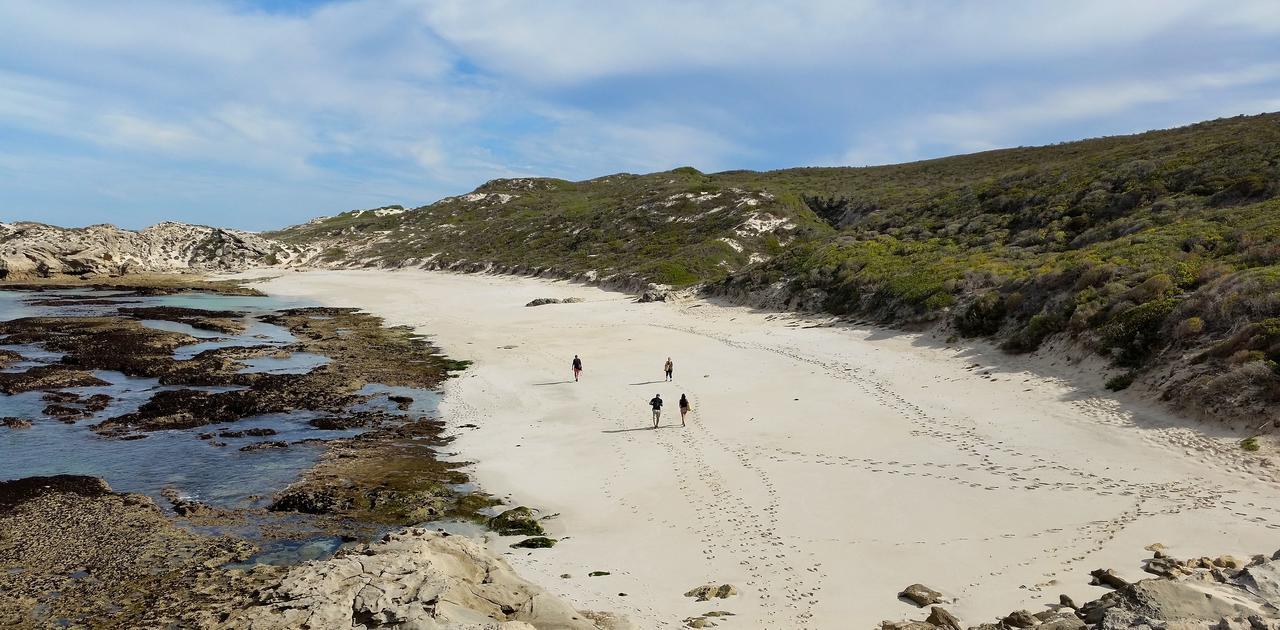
[
  {"x": 1120, "y": 381},
  {"x": 1250, "y": 444}
]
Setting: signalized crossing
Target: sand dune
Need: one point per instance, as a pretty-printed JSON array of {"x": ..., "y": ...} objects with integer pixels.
[{"x": 823, "y": 468}]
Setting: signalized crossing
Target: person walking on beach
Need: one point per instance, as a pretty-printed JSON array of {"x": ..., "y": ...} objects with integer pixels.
[
  {"x": 667, "y": 367},
  {"x": 577, "y": 367},
  {"x": 656, "y": 403},
  {"x": 684, "y": 408}
]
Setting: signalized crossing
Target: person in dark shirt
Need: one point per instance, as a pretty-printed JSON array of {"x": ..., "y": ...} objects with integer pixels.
[
  {"x": 577, "y": 367},
  {"x": 656, "y": 403}
]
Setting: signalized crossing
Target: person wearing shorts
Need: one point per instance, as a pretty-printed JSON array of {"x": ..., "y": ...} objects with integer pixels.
[
  {"x": 684, "y": 408},
  {"x": 577, "y": 367},
  {"x": 656, "y": 403}
]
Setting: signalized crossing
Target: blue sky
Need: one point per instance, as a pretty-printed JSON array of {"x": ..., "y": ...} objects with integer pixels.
[{"x": 262, "y": 114}]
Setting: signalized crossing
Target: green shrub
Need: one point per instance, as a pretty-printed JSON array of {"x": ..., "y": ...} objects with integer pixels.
[
  {"x": 1120, "y": 381},
  {"x": 983, "y": 316},
  {"x": 1250, "y": 444}
]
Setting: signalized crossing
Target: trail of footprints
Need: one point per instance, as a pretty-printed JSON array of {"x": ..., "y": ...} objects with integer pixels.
[{"x": 988, "y": 473}]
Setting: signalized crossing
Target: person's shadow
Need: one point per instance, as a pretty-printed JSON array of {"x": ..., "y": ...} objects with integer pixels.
[
  {"x": 552, "y": 383},
  {"x": 648, "y": 383},
  {"x": 661, "y": 426}
]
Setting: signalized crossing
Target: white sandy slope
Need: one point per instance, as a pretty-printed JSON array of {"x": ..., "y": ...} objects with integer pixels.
[{"x": 823, "y": 468}]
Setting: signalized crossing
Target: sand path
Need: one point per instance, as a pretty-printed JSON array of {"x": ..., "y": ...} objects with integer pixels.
[{"x": 822, "y": 469}]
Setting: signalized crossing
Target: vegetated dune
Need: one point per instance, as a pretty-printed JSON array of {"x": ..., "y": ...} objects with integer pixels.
[{"x": 1159, "y": 251}]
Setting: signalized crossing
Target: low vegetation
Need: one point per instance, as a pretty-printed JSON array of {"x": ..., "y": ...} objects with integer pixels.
[{"x": 1160, "y": 251}]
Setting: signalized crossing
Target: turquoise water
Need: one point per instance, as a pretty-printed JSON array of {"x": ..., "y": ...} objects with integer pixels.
[{"x": 218, "y": 475}]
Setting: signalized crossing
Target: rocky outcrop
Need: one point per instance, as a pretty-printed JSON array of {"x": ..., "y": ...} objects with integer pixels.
[
  {"x": 411, "y": 579},
  {"x": 1223, "y": 593},
  {"x": 38, "y": 250}
]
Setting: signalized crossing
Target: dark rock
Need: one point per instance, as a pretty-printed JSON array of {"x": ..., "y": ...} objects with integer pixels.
[
  {"x": 1066, "y": 601},
  {"x": 598, "y": 574},
  {"x": 15, "y": 423},
  {"x": 1020, "y": 619},
  {"x": 47, "y": 377},
  {"x": 262, "y": 446},
  {"x": 518, "y": 521},
  {"x": 537, "y": 542},
  {"x": 306, "y": 502},
  {"x": 543, "y": 301},
  {"x": 18, "y": 491},
  {"x": 65, "y": 413},
  {"x": 135, "y": 436},
  {"x": 652, "y": 295},
  {"x": 920, "y": 595},
  {"x": 402, "y": 402},
  {"x": 1107, "y": 577},
  {"x": 939, "y": 617}
]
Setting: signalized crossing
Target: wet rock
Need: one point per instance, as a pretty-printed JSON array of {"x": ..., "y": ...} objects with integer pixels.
[
  {"x": 185, "y": 506},
  {"x": 255, "y": 432},
  {"x": 43, "y": 377},
  {"x": 97, "y": 402},
  {"x": 65, "y": 413},
  {"x": 921, "y": 595},
  {"x": 1065, "y": 600},
  {"x": 517, "y": 521},
  {"x": 543, "y": 301},
  {"x": 15, "y": 423},
  {"x": 262, "y": 446},
  {"x": 9, "y": 357},
  {"x": 228, "y": 322},
  {"x": 402, "y": 402},
  {"x": 537, "y": 542},
  {"x": 307, "y": 502},
  {"x": 708, "y": 591}
]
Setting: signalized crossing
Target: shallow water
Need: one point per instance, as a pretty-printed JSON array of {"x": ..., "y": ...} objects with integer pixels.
[{"x": 219, "y": 475}]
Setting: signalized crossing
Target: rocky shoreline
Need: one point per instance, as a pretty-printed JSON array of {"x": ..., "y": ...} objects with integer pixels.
[
  {"x": 61, "y": 561},
  {"x": 1223, "y": 593}
]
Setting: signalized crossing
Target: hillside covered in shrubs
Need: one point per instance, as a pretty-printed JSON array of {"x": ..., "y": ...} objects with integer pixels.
[{"x": 1160, "y": 251}]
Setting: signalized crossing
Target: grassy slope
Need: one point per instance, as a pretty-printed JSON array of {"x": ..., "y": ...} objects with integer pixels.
[{"x": 1161, "y": 250}]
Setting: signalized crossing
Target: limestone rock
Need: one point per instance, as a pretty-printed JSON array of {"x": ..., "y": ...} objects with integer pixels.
[
  {"x": 35, "y": 249},
  {"x": 921, "y": 595},
  {"x": 543, "y": 301},
  {"x": 411, "y": 579}
]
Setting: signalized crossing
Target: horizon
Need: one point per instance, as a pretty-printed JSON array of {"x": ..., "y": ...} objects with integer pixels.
[{"x": 325, "y": 107}]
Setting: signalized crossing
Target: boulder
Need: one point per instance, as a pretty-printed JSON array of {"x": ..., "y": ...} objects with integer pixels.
[
  {"x": 652, "y": 295},
  {"x": 939, "y": 617},
  {"x": 543, "y": 301},
  {"x": 707, "y": 591},
  {"x": 1020, "y": 619},
  {"x": 907, "y": 625},
  {"x": 921, "y": 595},
  {"x": 518, "y": 521},
  {"x": 1228, "y": 562}
]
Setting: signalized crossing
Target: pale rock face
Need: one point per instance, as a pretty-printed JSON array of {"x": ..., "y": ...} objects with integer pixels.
[
  {"x": 411, "y": 579},
  {"x": 36, "y": 249}
]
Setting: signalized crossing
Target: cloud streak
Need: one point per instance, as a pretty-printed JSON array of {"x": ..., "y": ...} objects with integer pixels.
[{"x": 254, "y": 116}]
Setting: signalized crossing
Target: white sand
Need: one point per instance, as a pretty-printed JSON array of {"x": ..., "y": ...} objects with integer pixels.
[{"x": 823, "y": 469}]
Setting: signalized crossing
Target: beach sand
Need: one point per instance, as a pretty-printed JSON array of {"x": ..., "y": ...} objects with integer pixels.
[{"x": 823, "y": 468}]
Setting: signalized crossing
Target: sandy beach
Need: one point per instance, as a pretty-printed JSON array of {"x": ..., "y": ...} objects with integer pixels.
[{"x": 823, "y": 468}]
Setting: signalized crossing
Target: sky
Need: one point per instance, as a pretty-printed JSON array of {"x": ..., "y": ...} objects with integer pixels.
[{"x": 258, "y": 115}]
